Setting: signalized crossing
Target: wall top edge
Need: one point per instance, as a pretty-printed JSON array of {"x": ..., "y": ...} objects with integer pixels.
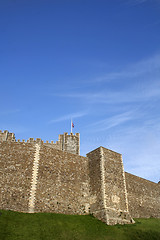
[
  {"x": 104, "y": 149},
  {"x": 71, "y": 134},
  {"x": 6, "y": 132},
  {"x": 142, "y": 179}
]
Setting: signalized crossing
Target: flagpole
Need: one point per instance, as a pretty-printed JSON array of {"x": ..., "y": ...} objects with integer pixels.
[{"x": 71, "y": 125}]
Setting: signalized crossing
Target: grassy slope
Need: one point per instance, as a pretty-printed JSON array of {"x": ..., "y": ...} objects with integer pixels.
[{"x": 47, "y": 226}]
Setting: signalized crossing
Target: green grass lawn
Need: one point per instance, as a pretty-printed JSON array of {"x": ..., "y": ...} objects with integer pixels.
[{"x": 47, "y": 226}]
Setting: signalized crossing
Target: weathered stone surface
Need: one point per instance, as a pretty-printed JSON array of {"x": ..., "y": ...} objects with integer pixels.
[
  {"x": 63, "y": 182},
  {"x": 107, "y": 185},
  {"x": 70, "y": 143},
  {"x": 52, "y": 177},
  {"x": 16, "y": 162},
  {"x": 143, "y": 197}
]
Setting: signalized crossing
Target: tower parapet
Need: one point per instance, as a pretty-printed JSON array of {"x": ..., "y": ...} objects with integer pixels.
[
  {"x": 7, "y": 136},
  {"x": 70, "y": 143}
]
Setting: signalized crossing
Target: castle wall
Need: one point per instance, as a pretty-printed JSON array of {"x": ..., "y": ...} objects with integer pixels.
[
  {"x": 16, "y": 160},
  {"x": 63, "y": 184},
  {"x": 44, "y": 177},
  {"x": 68, "y": 143},
  {"x": 143, "y": 197},
  {"x": 107, "y": 182}
]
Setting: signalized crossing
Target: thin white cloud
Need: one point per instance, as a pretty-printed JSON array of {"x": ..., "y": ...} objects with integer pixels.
[
  {"x": 139, "y": 145},
  {"x": 144, "y": 84},
  {"x": 68, "y": 117},
  {"x": 135, "y": 94},
  {"x": 125, "y": 105},
  {"x": 147, "y": 66},
  {"x": 114, "y": 121},
  {"x": 144, "y": 164}
]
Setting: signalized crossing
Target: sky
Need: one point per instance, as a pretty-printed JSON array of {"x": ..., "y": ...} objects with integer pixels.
[{"x": 97, "y": 62}]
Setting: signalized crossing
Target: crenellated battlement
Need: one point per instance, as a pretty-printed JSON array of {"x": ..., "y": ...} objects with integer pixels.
[
  {"x": 67, "y": 142},
  {"x": 7, "y": 136},
  {"x": 70, "y": 143},
  {"x": 37, "y": 140}
]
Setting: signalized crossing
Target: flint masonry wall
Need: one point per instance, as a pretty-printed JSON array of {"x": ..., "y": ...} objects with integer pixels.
[
  {"x": 114, "y": 180},
  {"x": 63, "y": 182},
  {"x": 16, "y": 161},
  {"x": 96, "y": 200},
  {"x": 44, "y": 177},
  {"x": 107, "y": 185},
  {"x": 143, "y": 197}
]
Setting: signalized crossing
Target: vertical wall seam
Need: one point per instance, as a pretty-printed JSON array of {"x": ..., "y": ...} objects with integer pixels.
[
  {"x": 124, "y": 182},
  {"x": 34, "y": 179},
  {"x": 79, "y": 146},
  {"x": 103, "y": 189}
]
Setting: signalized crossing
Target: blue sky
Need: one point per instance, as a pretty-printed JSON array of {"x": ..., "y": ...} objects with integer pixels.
[{"x": 95, "y": 61}]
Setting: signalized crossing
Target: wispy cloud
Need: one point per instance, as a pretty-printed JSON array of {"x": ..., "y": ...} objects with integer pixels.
[
  {"x": 142, "y": 79},
  {"x": 147, "y": 66},
  {"x": 138, "y": 144},
  {"x": 69, "y": 116},
  {"x": 114, "y": 121},
  {"x": 125, "y": 110},
  {"x": 144, "y": 160},
  {"x": 142, "y": 93}
]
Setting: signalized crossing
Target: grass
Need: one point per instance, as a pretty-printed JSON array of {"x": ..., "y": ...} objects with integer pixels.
[{"x": 49, "y": 226}]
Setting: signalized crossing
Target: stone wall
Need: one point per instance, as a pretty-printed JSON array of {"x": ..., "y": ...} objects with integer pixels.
[
  {"x": 44, "y": 177},
  {"x": 63, "y": 182},
  {"x": 16, "y": 160},
  {"x": 143, "y": 197},
  {"x": 107, "y": 182},
  {"x": 96, "y": 201}
]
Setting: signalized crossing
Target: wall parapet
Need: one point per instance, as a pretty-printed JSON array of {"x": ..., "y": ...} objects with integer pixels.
[
  {"x": 7, "y": 136},
  {"x": 66, "y": 142}
]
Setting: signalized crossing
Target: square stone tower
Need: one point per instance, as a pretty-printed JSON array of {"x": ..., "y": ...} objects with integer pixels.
[
  {"x": 70, "y": 143},
  {"x": 7, "y": 136}
]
